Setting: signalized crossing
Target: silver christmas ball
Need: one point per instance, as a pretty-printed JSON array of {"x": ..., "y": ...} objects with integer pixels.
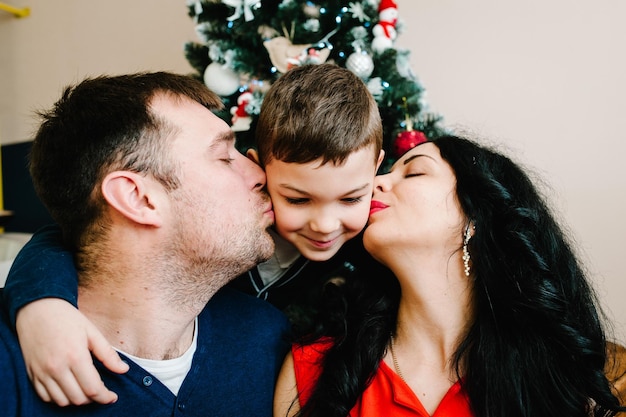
[{"x": 361, "y": 64}]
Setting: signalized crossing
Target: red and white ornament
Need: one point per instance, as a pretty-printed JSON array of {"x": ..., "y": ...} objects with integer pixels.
[
  {"x": 385, "y": 30},
  {"x": 241, "y": 119}
]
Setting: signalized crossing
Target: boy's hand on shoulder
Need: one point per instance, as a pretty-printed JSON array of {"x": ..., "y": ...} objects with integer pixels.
[{"x": 56, "y": 341}]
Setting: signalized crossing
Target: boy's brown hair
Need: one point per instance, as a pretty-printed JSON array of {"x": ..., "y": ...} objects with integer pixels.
[{"x": 317, "y": 112}]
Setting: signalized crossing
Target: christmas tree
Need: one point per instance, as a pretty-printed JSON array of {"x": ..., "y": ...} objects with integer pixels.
[{"x": 247, "y": 44}]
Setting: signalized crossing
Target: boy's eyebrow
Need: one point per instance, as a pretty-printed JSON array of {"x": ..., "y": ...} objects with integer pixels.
[{"x": 354, "y": 190}]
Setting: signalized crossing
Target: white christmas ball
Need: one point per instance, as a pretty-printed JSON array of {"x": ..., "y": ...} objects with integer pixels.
[
  {"x": 220, "y": 79},
  {"x": 361, "y": 64}
]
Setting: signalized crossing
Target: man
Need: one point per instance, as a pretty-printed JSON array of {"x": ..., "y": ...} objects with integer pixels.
[{"x": 161, "y": 211}]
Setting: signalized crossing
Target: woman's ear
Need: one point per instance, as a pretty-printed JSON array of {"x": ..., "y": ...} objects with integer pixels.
[
  {"x": 132, "y": 197},
  {"x": 253, "y": 155}
]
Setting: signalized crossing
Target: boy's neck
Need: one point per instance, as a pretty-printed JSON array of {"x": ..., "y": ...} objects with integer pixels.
[
  {"x": 284, "y": 252},
  {"x": 285, "y": 255}
]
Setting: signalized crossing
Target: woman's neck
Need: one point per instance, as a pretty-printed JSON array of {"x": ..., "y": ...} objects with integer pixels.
[
  {"x": 436, "y": 305},
  {"x": 434, "y": 316}
]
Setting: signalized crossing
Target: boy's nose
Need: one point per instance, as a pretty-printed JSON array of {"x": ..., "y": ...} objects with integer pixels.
[{"x": 325, "y": 224}]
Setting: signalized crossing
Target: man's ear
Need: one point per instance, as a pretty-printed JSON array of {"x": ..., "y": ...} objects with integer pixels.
[
  {"x": 253, "y": 155},
  {"x": 381, "y": 156},
  {"x": 130, "y": 195}
]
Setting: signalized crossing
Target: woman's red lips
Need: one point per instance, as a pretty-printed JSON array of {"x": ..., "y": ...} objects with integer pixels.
[{"x": 377, "y": 206}]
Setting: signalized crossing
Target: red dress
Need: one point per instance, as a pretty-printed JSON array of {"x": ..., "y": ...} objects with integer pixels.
[{"x": 387, "y": 395}]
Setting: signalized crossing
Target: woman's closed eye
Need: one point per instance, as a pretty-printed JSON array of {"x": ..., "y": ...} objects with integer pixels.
[{"x": 413, "y": 174}]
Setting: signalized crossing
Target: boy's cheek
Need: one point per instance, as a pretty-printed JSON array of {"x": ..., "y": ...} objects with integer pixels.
[{"x": 286, "y": 218}]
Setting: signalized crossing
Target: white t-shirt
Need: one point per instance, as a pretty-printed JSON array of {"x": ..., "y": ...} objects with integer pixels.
[{"x": 171, "y": 372}]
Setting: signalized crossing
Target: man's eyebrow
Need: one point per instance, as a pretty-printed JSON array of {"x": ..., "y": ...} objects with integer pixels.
[{"x": 226, "y": 136}]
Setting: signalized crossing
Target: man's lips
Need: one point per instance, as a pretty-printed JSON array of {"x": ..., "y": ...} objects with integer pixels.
[
  {"x": 269, "y": 210},
  {"x": 377, "y": 206}
]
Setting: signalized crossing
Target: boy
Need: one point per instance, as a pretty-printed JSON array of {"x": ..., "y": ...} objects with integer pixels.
[{"x": 319, "y": 138}]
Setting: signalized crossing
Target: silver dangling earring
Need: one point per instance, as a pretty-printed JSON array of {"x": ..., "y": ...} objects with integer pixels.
[{"x": 466, "y": 255}]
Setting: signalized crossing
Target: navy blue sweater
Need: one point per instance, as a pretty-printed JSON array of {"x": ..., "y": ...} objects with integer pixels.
[{"x": 241, "y": 345}]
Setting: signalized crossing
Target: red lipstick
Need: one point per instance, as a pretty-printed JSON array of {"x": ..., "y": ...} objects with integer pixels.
[{"x": 377, "y": 206}]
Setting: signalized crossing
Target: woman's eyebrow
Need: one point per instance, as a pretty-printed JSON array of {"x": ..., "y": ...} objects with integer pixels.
[{"x": 409, "y": 159}]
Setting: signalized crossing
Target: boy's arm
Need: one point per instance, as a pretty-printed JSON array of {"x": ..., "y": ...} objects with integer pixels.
[
  {"x": 43, "y": 268},
  {"x": 56, "y": 339}
]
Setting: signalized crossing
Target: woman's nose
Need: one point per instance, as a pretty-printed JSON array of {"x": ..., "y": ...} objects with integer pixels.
[{"x": 382, "y": 183}]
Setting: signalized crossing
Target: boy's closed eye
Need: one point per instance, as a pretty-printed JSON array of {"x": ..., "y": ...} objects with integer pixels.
[
  {"x": 352, "y": 200},
  {"x": 301, "y": 201},
  {"x": 297, "y": 201}
]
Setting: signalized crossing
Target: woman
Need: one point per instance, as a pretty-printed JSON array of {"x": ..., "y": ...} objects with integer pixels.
[{"x": 492, "y": 314}]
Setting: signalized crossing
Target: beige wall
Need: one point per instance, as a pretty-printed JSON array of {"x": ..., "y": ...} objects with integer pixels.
[
  {"x": 63, "y": 41},
  {"x": 546, "y": 79}
]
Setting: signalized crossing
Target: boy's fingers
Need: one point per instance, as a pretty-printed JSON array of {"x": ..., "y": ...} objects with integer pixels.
[
  {"x": 41, "y": 391},
  {"x": 90, "y": 388},
  {"x": 104, "y": 352},
  {"x": 104, "y": 396},
  {"x": 50, "y": 391},
  {"x": 88, "y": 382}
]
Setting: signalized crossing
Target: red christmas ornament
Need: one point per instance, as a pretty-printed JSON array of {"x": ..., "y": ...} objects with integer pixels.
[{"x": 407, "y": 140}]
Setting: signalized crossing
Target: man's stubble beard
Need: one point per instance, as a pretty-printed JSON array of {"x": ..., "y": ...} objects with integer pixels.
[{"x": 200, "y": 266}]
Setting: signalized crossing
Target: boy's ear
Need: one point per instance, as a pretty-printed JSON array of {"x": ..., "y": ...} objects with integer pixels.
[
  {"x": 381, "y": 156},
  {"x": 253, "y": 155},
  {"x": 129, "y": 194}
]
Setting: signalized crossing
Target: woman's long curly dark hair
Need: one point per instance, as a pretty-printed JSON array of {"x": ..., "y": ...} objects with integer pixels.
[{"x": 537, "y": 343}]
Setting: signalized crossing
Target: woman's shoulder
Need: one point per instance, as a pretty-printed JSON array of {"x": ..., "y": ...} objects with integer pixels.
[
  {"x": 311, "y": 353},
  {"x": 307, "y": 365}
]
